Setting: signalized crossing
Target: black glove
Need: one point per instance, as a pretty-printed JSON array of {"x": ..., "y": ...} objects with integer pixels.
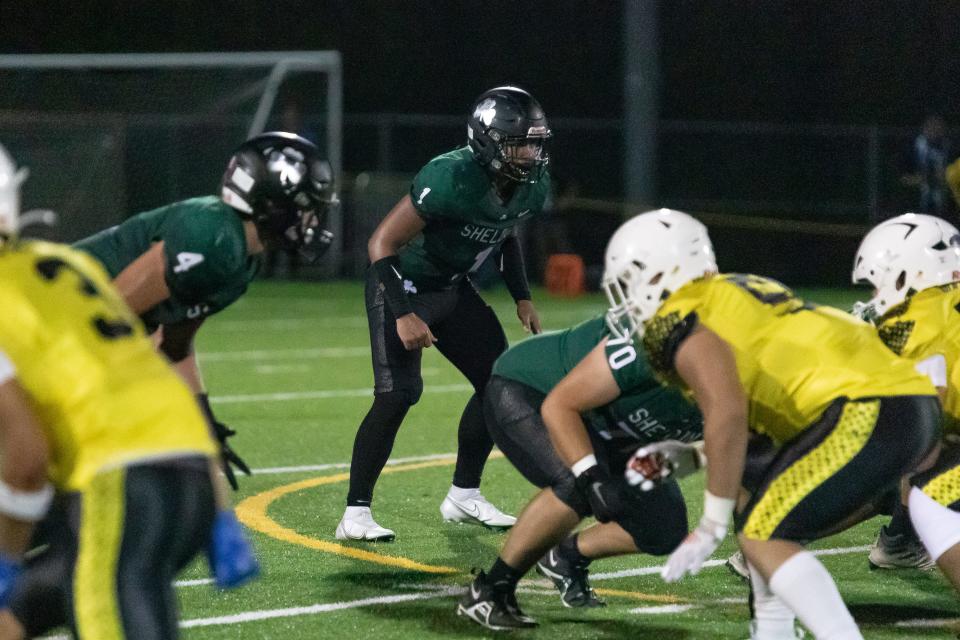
[
  {"x": 228, "y": 456},
  {"x": 599, "y": 489}
]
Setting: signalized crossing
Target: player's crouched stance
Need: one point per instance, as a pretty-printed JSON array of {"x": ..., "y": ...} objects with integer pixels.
[
  {"x": 913, "y": 263},
  {"x": 599, "y": 400},
  {"x": 95, "y": 422},
  {"x": 848, "y": 417}
]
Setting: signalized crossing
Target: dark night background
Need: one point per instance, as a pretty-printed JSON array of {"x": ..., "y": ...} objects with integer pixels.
[
  {"x": 859, "y": 68},
  {"x": 860, "y": 62}
]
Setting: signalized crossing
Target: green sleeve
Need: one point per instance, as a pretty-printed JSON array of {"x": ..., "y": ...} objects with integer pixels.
[
  {"x": 202, "y": 252},
  {"x": 629, "y": 366}
]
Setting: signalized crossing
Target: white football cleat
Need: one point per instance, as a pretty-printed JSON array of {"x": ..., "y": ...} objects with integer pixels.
[
  {"x": 475, "y": 510},
  {"x": 358, "y": 524}
]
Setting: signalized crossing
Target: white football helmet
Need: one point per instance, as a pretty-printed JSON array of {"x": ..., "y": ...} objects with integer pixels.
[
  {"x": 10, "y": 180},
  {"x": 648, "y": 257},
  {"x": 902, "y": 256}
]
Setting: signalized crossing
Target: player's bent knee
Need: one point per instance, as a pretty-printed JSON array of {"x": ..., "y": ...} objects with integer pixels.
[
  {"x": 566, "y": 491},
  {"x": 400, "y": 399},
  {"x": 937, "y": 526}
]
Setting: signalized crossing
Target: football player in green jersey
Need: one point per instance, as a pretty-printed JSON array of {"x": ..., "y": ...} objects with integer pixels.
[
  {"x": 635, "y": 410},
  {"x": 180, "y": 263},
  {"x": 462, "y": 208}
]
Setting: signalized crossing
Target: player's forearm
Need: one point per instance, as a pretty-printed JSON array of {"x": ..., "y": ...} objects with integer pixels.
[
  {"x": 189, "y": 370},
  {"x": 512, "y": 269},
  {"x": 567, "y": 432},
  {"x": 725, "y": 437}
]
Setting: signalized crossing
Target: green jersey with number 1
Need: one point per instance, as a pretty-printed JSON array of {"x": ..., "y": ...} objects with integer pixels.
[
  {"x": 465, "y": 220},
  {"x": 205, "y": 249},
  {"x": 645, "y": 411}
]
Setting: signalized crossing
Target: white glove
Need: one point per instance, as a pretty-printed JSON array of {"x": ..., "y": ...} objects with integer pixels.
[
  {"x": 650, "y": 465},
  {"x": 694, "y": 551}
]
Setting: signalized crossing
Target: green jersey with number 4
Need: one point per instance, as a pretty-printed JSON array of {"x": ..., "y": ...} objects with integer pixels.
[
  {"x": 205, "y": 249},
  {"x": 465, "y": 220},
  {"x": 645, "y": 411}
]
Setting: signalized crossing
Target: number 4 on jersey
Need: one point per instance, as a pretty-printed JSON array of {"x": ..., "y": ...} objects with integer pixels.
[{"x": 186, "y": 261}]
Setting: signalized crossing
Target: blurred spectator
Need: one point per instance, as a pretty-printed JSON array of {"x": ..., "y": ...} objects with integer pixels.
[{"x": 931, "y": 154}]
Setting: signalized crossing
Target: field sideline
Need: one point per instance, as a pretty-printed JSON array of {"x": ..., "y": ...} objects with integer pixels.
[{"x": 288, "y": 367}]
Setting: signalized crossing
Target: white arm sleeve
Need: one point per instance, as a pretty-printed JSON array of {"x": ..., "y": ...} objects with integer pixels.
[
  {"x": 935, "y": 368},
  {"x": 7, "y": 370}
]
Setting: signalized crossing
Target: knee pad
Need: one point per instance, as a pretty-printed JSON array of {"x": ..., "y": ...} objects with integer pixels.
[
  {"x": 937, "y": 526},
  {"x": 400, "y": 399},
  {"x": 565, "y": 489}
]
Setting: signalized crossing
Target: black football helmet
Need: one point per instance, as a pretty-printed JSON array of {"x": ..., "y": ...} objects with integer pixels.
[
  {"x": 280, "y": 182},
  {"x": 507, "y": 132}
]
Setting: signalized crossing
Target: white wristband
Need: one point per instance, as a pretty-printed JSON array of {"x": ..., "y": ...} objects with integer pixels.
[
  {"x": 28, "y": 506},
  {"x": 583, "y": 464},
  {"x": 718, "y": 510}
]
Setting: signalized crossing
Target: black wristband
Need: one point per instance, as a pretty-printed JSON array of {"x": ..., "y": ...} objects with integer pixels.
[
  {"x": 512, "y": 270},
  {"x": 388, "y": 272}
]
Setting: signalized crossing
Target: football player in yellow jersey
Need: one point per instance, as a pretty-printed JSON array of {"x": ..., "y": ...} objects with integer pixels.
[
  {"x": 97, "y": 424},
  {"x": 847, "y": 417},
  {"x": 913, "y": 263}
]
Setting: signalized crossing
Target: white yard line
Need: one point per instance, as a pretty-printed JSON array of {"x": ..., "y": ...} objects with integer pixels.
[
  {"x": 322, "y": 394},
  {"x": 284, "y": 354},
  {"x": 645, "y": 571},
  {"x": 266, "y": 614},
  {"x": 346, "y": 465}
]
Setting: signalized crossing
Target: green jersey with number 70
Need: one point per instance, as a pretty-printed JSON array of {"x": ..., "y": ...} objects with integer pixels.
[
  {"x": 645, "y": 411},
  {"x": 206, "y": 256},
  {"x": 465, "y": 220}
]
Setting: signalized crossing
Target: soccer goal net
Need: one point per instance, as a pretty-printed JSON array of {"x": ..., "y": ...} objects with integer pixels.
[{"x": 105, "y": 136}]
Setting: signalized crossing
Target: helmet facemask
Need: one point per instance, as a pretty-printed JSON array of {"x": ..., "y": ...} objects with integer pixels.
[{"x": 520, "y": 158}]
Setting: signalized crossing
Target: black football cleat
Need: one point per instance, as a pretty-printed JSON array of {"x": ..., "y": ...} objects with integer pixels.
[
  {"x": 493, "y": 609},
  {"x": 570, "y": 580}
]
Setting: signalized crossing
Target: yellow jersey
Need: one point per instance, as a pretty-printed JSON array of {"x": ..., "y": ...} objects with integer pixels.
[
  {"x": 925, "y": 325},
  {"x": 104, "y": 397},
  {"x": 793, "y": 358}
]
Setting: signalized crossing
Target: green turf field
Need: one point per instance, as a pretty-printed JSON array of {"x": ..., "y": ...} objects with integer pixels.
[{"x": 288, "y": 367}]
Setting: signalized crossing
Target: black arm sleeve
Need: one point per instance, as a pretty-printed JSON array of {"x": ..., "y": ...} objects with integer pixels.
[
  {"x": 388, "y": 272},
  {"x": 177, "y": 341},
  {"x": 512, "y": 270}
]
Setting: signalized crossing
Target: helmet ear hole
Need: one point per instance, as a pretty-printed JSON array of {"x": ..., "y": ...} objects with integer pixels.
[{"x": 901, "y": 280}]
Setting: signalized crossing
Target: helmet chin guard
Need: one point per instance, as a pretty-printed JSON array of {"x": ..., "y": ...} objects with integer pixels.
[
  {"x": 650, "y": 256},
  {"x": 902, "y": 256}
]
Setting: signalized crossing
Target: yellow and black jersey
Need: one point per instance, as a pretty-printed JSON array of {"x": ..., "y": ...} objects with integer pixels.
[
  {"x": 103, "y": 395},
  {"x": 925, "y": 325},
  {"x": 793, "y": 358}
]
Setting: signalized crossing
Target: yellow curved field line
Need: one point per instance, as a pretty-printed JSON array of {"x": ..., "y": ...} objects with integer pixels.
[{"x": 253, "y": 513}]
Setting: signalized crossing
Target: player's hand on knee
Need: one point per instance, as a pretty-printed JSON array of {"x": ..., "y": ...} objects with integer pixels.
[
  {"x": 229, "y": 553},
  {"x": 596, "y": 485},
  {"x": 528, "y": 316},
  {"x": 650, "y": 465},
  {"x": 10, "y": 569},
  {"x": 414, "y": 332}
]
